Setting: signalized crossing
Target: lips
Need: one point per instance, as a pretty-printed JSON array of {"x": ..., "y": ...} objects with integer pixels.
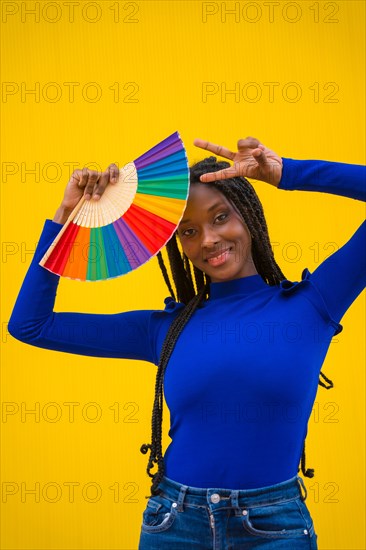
[
  {"x": 217, "y": 253},
  {"x": 218, "y": 258}
]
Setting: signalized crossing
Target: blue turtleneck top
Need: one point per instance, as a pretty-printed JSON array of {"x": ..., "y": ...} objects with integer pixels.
[{"x": 243, "y": 376}]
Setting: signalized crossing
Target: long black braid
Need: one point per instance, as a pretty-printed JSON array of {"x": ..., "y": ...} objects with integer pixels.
[{"x": 193, "y": 287}]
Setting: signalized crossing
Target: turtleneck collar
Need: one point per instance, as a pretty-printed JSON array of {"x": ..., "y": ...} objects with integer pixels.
[{"x": 243, "y": 285}]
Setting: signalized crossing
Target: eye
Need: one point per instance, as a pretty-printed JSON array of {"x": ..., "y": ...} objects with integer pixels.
[
  {"x": 188, "y": 233},
  {"x": 221, "y": 217}
]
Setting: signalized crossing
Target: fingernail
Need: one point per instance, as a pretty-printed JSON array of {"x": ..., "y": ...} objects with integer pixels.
[
  {"x": 87, "y": 197},
  {"x": 96, "y": 197}
]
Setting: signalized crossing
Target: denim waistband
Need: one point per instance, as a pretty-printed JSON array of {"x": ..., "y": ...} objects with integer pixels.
[{"x": 196, "y": 496}]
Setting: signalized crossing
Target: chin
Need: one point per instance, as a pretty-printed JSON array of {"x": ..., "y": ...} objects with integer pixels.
[{"x": 216, "y": 278}]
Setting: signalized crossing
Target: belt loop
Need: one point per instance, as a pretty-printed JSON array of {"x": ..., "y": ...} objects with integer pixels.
[
  {"x": 301, "y": 484},
  {"x": 235, "y": 498},
  {"x": 181, "y": 496}
]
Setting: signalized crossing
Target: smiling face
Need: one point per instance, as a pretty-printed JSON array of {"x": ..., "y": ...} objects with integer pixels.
[{"x": 214, "y": 236}]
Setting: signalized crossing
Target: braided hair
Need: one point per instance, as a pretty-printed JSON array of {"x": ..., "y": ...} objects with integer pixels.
[{"x": 192, "y": 286}]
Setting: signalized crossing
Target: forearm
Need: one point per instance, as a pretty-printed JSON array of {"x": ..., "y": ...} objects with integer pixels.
[
  {"x": 341, "y": 277},
  {"x": 347, "y": 180},
  {"x": 33, "y": 320}
]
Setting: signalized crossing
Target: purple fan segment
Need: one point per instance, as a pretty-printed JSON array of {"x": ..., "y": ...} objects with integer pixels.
[
  {"x": 167, "y": 147},
  {"x": 137, "y": 254}
]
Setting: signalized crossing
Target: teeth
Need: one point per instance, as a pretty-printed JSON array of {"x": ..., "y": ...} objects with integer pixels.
[
  {"x": 218, "y": 260},
  {"x": 219, "y": 256}
]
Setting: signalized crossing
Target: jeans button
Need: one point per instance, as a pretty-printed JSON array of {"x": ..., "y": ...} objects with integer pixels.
[{"x": 215, "y": 498}]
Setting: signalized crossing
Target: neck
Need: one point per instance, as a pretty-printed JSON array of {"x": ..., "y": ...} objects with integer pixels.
[{"x": 241, "y": 286}]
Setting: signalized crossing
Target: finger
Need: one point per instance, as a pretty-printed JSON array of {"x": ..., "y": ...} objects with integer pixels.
[
  {"x": 260, "y": 157},
  {"x": 219, "y": 175},
  {"x": 100, "y": 186},
  {"x": 217, "y": 149},
  {"x": 93, "y": 177},
  {"x": 84, "y": 177},
  {"x": 76, "y": 177},
  {"x": 249, "y": 141},
  {"x": 113, "y": 173}
]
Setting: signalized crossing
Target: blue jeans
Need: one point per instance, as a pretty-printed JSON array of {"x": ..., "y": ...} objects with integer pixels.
[{"x": 184, "y": 518}]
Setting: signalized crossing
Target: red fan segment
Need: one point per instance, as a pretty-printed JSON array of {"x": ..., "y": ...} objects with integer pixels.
[
  {"x": 76, "y": 267},
  {"x": 151, "y": 229}
]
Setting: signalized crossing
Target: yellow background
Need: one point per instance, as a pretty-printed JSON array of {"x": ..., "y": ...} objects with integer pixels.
[{"x": 172, "y": 51}]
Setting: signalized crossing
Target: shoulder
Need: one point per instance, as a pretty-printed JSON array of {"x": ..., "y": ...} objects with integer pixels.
[{"x": 308, "y": 288}]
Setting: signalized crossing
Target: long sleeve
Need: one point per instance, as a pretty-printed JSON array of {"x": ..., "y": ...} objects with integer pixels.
[
  {"x": 33, "y": 321},
  {"x": 342, "y": 276}
]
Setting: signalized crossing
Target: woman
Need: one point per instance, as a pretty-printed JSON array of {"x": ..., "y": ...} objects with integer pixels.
[{"x": 238, "y": 347}]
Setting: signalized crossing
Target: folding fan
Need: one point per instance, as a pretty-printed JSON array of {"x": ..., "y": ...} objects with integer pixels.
[{"x": 130, "y": 223}]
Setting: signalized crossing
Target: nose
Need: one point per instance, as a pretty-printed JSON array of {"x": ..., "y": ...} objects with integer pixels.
[{"x": 209, "y": 237}]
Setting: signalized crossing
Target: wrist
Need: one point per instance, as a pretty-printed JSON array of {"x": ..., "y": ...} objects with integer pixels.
[
  {"x": 62, "y": 214},
  {"x": 275, "y": 175}
]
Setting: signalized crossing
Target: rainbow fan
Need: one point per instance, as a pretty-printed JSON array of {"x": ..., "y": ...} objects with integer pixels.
[{"x": 130, "y": 223}]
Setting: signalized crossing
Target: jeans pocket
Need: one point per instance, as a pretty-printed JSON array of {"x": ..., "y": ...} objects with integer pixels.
[
  {"x": 309, "y": 521},
  {"x": 281, "y": 520},
  {"x": 158, "y": 515}
]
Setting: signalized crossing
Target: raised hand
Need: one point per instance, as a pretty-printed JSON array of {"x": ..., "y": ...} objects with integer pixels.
[
  {"x": 86, "y": 182},
  {"x": 252, "y": 160}
]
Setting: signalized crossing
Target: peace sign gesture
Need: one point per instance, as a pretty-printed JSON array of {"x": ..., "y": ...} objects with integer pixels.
[{"x": 253, "y": 160}]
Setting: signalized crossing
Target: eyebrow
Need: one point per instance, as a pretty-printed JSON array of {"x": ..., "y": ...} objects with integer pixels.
[{"x": 220, "y": 203}]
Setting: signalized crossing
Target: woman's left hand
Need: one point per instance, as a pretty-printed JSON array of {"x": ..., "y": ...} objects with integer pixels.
[{"x": 253, "y": 160}]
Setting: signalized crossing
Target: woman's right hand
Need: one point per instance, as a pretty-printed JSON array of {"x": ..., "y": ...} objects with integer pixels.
[
  {"x": 90, "y": 183},
  {"x": 86, "y": 182}
]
